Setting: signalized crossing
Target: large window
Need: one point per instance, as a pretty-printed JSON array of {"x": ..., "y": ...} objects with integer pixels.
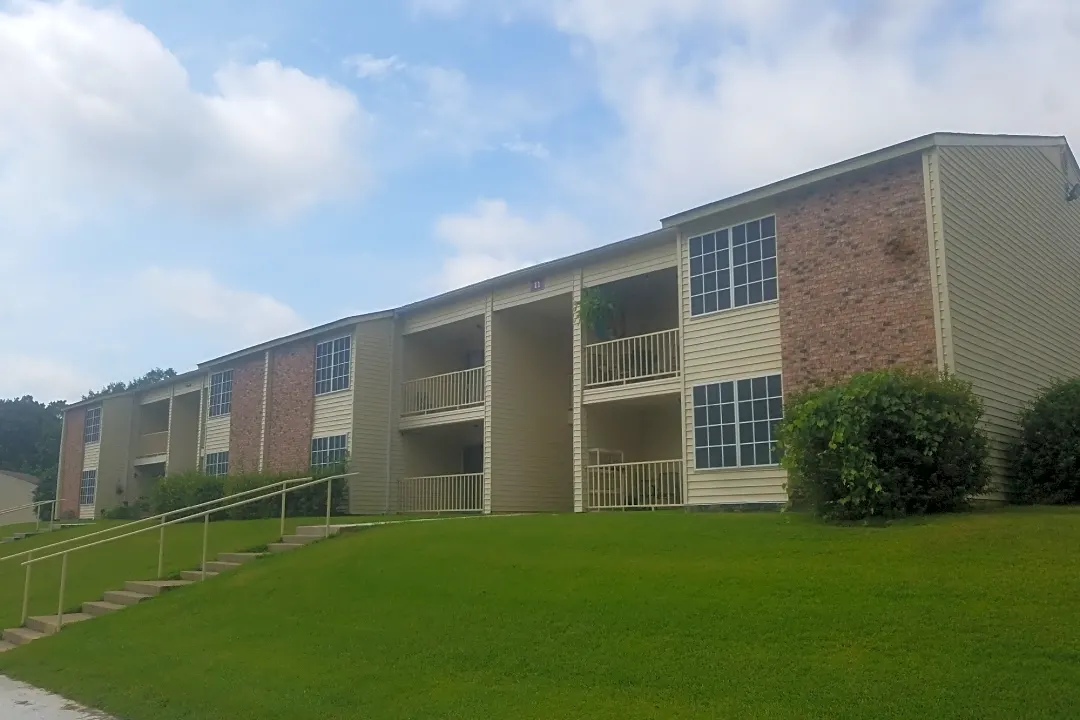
[
  {"x": 220, "y": 393},
  {"x": 92, "y": 427},
  {"x": 217, "y": 463},
  {"x": 332, "y": 365},
  {"x": 733, "y": 267},
  {"x": 328, "y": 450},
  {"x": 88, "y": 487},
  {"x": 735, "y": 422}
]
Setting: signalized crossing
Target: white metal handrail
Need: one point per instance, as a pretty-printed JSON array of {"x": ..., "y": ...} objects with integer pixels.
[
  {"x": 620, "y": 486},
  {"x": 204, "y": 514},
  {"x": 462, "y": 492},
  {"x": 37, "y": 516},
  {"x": 633, "y": 359},
  {"x": 439, "y": 393}
]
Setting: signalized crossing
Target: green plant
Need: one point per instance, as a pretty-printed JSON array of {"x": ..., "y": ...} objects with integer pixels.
[
  {"x": 596, "y": 311},
  {"x": 123, "y": 511},
  {"x": 181, "y": 490},
  {"x": 1047, "y": 457},
  {"x": 884, "y": 444}
]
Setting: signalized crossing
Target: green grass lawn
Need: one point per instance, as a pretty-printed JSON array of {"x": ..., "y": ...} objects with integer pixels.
[
  {"x": 93, "y": 571},
  {"x": 621, "y": 616}
]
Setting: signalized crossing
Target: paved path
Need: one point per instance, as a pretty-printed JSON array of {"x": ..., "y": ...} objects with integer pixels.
[{"x": 19, "y": 701}]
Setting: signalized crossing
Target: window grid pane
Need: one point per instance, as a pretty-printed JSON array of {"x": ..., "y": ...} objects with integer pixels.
[
  {"x": 761, "y": 407},
  {"x": 88, "y": 487},
  {"x": 332, "y": 364},
  {"x": 220, "y": 393},
  {"x": 328, "y": 450},
  {"x": 735, "y": 422},
  {"x": 217, "y": 463},
  {"x": 733, "y": 267},
  {"x": 714, "y": 425},
  {"x": 92, "y": 426}
]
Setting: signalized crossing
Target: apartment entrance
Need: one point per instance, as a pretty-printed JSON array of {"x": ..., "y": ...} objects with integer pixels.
[
  {"x": 444, "y": 469},
  {"x": 531, "y": 385},
  {"x": 633, "y": 453}
]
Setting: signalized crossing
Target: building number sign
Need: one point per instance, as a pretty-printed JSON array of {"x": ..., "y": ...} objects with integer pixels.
[{"x": 536, "y": 284}]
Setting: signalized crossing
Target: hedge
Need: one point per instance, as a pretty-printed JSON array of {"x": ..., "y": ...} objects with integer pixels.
[{"x": 1046, "y": 465}]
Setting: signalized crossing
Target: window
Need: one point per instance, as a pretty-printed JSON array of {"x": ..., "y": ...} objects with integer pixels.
[
  {"x": 88, "y": 487},
  {"x": 220, "y": 393},
  {"x": 328, "y": 450},
  {"x": 733, "y": 267},
  {"x": 332, "y": 365},
  {"x": 735, "y": 422},
  {"x": 92, "y": 426},
  {"x": 217, "y": 463}
]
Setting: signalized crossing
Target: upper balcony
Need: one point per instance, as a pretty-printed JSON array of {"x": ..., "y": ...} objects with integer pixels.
[
  {"x": 632, "y": 346},
  {"x": 152, "y": 432},
  {"x": 444, "y": 373}
]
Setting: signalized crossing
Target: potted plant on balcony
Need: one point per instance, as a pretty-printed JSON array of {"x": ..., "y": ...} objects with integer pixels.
[{"x": 596, "y": 312}]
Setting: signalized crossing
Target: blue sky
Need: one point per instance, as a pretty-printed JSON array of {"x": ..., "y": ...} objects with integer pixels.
[{"x": 179, "y": 180}]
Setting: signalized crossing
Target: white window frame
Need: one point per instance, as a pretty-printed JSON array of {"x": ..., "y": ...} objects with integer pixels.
[
  {"x": 736, "y": 420},
  {"x": 337, "y": 354},
  {"x": 216, "y": 464},
  {"x": 92, "y": 436},
  {"x": 222, "y": 405},
  {"x": 88, "y": 488},
  {"x": 728, "y": 255},
  {"x": 323, "y": 448}
]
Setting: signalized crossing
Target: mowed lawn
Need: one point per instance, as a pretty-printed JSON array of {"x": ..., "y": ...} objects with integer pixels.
[
  {"x": 93, "y": 571},
  {"x": 636, "y": 615}
]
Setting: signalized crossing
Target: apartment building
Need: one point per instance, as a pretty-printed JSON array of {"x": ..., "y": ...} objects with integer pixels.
[{"x": 949, "y": 251}]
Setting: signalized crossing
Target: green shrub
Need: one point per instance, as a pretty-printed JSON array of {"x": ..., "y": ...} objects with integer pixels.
[
  {"x": 123, "y": 511},
  {"x": 1047, "y": 458},
  {"x": 884, "y": 444}
]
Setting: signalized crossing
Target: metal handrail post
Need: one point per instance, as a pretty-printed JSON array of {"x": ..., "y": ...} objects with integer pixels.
[
  {"x": 329, "y": 486},
  {"x": 26, "y": 592},
  {"x": 284, "y": 485},
  {"x": 60, "y": 603},
  {"x": 52, "y": 517},
  {"x": 161, "y": 550},
  {"x": 205, "y": 538}
]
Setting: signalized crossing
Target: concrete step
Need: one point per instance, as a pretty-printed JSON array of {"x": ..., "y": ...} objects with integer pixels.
[
  {"x": 218, "y": 566},
  {"x": 196, "y": 575},
  {"x": 238, "y": 558},
  {"x": 123, "y": 597},
  {"x": 100, "y": 608},
  {"x": 48, "y": 624},
  {"x": 316, "y": 530},
  {"x": 154, "y": 587},
  {"x": 5, "y": 646},
  {"x": 300, "y": 539},
  {"x": 21, "y": 636},
  {"x": 282, "y": 547}
]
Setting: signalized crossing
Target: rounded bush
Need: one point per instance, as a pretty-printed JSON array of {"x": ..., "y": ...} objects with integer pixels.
[
  {"x": 1047, "y": 460},
  {"x": 885, "y": 444}
]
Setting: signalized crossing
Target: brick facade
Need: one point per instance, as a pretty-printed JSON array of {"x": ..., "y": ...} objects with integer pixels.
[
  {"x": 71, "y": 461},
  {"x": 245, "y": 425},
  {"x": 290, "y": 407},
  {"x": 854, "y": 276}
]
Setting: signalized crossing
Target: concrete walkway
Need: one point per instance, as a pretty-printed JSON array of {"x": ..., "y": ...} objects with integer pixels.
[{"x": 19, "y": 701}]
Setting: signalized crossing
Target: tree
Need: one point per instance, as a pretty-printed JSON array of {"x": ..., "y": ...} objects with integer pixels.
[{"x": 151, "y": 377}]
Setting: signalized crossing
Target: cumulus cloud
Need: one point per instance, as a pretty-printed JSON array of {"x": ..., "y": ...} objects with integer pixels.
[
  {"x": 489, "y": 239},
  {"x": 45, "y": 378},
  {"x": 196, "y": 301},
  {"x": 93, "y": 107}
]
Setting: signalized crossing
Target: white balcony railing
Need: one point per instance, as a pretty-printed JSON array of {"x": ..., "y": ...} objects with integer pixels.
[
  {"x": 632, "y": 359},
  {"x": 153, "y": 443},
  {"x": 442, "y": 493},
  {"x": 439, "y": 393},
  {"x": 634, "y": 485}
]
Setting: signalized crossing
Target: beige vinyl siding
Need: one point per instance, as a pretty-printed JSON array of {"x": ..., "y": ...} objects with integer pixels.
[
  {"x": 333, "y": 412},
  {"x": 217, "y": 434},
  {"x": 114, "y": 463},
  {"x": 444, "y": 314},
  {"x": 15, "y": 492},
  {"x": 728, "y": 345},
  {"x": 91, "y": 454},
  {"x": 557, "y": 283},
  {"x": 156, "y": 395},
  {"x": 183, "y": 433},
  {"x": 531, "y": 436},
  {"x": 373, "y": 370},
  {"x": 654, "y": 256},
  {"x": 1012, "y": 247}
]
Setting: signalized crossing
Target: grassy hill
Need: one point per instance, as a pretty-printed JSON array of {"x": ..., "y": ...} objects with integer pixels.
[{"x": 637, "y": 615}]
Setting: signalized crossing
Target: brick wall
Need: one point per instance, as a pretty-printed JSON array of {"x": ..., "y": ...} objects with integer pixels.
[
  {"x": 854, "y": 276},
  {"x": 290, "y": 407},
  {"x": 245, "y": 425},
  {"x": 71, "y": 460}
]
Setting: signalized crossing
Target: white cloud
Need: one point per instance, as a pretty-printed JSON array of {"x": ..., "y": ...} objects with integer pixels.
[
  {"x": 525, "y": 147},
  {"x": 198, "y": 302},
  {"x": 489, "y": 240},
  {"x": 45, "y": 378},
  {"x": 369, "y": 66},
  {"x": 93, "y": 107}
]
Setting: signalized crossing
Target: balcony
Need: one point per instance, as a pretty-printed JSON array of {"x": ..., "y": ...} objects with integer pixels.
[
  {"x": 463, "y": 492},
  {"x": 623, "y": 486},
  {"x": 443, "y": 393},
  {"x": 635, "y": 359},
  {"x": 152, "y": 444}
]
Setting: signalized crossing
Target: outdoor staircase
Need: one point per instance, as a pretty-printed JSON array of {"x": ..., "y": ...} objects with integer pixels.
[
  {"x": 14, "y": 537},
  {"x": 136, "y": 591}
]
